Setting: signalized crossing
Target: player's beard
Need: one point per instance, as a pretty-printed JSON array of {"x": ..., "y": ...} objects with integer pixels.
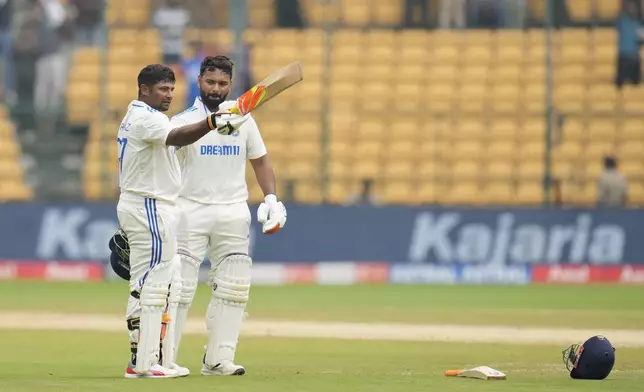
[{"x": 212, "y": 102}]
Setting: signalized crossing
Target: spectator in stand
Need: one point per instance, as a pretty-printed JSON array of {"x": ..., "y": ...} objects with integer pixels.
[
  {"x": 191, "y": 68},
  {"x": 171, "y": 20},
  {"x": 6, "y": 52},
  {"x": 612, "y": 188},
  {"x": 51, "y": 66},
  {"x": 452, "y": 14},
  {"x": 365, "y": 197},
  {"x": 89, "y": 20},
  {"x": 630, "y": 33},
  {"x": 416, "y": 13}
]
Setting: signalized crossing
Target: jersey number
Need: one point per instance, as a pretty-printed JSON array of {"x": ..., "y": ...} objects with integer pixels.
[{"x": 122, "y": 141}]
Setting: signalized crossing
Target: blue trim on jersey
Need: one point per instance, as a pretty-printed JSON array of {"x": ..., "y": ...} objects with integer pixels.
[
  {"x": 137, "y": 106},
  {"x": 189, "y": 110},
  {"x": 153, "y": 224}
]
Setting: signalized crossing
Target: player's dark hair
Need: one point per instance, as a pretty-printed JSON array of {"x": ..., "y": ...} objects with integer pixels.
[
  {"x": 221, "y": 62},
  {"x": 153, "y": 74}
]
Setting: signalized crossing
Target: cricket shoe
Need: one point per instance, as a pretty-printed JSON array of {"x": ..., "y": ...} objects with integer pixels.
[
  {"x": 156, "y": 371},
  {"x": 225, "y": 368},
  {"x": 183, "y": 372}
]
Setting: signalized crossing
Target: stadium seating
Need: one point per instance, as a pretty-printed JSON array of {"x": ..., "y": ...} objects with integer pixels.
[
  {"x": 432, "y": 116},
  {"x": 12, "y": 176}
]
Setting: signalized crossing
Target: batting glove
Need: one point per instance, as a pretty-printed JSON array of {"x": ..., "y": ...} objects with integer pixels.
[
  {"x": 227, "y": 123},
  {"x": 271, "y": 214}
]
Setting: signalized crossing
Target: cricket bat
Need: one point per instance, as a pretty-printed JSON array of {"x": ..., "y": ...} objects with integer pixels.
[
  {"x": 480, "y": 372},
  {"x": 270, "y": 87}
]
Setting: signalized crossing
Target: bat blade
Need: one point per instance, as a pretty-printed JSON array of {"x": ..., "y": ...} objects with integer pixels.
[{"x": 267, "y": 89}]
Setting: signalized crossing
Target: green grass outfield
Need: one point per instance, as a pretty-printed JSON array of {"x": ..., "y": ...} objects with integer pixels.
[
  {"x": 549, "y": 306},
  {"x": 51, "y": 361},
  {"x": 65, "y": 361}
]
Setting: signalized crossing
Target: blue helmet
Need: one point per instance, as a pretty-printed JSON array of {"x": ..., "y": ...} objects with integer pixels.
[
  {"x": 120, "y": 254},
  {"x": 593, "y": 360}
]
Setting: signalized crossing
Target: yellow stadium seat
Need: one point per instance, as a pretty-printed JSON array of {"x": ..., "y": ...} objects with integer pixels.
[
  {"x": 398, "y": 192},
  {"x": 479, "y": 38},
  {"x": 529, "y": 193},
  {"x": 561, "y": 169},
  {"x": 366, "y": 169},
  {"x": 465, "y": 170},
  {"x": 608, "y": 10},
  {"x": 597, "y": 150},
  {"x": 636, "y": 194},
  {"x": 531, "y": 170},
  {"x": 302, "y": 169},
  {"x": 631, "y": 150},
  {"x": 467, "y": 150},
  {"x": 445, "y": 54},
  {"x": 498, "y": 170},
  {"x": 340, "y": 150},
  {"x": 632, "y": 129},
  {"x": 604, "y": 53},
  {"x": 469, "y": 130},
  {"x": 606, "y": 35},
  {"x": 570, "y": 98},
  {"x": 603, "y": 97},
  {"x": 502, "y": 150},
  {"x": 399, "y": 170},
  {"x": 307, "y": 192},
  {"x": 15, "y": 191},
  {"x": 463, "y": 193},
  {"x": 388, "y": 13},
  {"x": 568, "y": 151},
  {"x": 503, "y": 130},
  {"x": 600, "y": 130},
  {"x": 498, "y": 192},
  {"x": 632, "y": 169},
  {"x": 401, "y": 150}
]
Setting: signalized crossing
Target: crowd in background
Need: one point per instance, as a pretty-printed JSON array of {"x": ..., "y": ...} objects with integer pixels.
[{"x": 38, "y": 39}]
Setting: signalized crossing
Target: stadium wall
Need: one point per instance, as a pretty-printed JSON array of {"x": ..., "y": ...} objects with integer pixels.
[{"x": 347, "y": 245}]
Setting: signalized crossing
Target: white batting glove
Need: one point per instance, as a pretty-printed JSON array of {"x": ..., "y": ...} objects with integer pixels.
[
  {"x": 228, "y": 123},
  {"x": 271, "y": 214}
]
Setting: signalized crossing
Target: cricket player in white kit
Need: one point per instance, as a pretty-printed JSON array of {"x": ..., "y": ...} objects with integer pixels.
[
  {"x": 150, "y": 181},
  {"x": 215, "y": 215}
]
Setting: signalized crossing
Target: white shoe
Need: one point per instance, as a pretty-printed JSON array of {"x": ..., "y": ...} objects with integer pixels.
[
  {"x": 156, "y": 371},
  {"x": 180, "y": 369},
  {"x": 225, "y": 368}
]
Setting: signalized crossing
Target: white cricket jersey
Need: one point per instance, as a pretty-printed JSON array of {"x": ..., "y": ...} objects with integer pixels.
[
  {"x": 213, "y": 170},
  {"x": 147, "y": 167}
]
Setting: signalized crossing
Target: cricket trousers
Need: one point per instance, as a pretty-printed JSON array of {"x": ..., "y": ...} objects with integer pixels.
[
  {"x": 151, "y": 229},
  {"x": 213, "y": 230}
]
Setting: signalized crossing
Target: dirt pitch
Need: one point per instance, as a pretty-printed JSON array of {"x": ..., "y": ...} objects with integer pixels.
[{"x": 339, "y": 330}]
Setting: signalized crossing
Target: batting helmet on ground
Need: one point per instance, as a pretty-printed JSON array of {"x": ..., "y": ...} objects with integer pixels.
[{"x": 593, "y": 360}]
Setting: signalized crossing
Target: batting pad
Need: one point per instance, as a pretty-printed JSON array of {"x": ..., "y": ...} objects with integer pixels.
[
  {"x": 169, "y": 342},
  {"x": 153, "y": 302},
  {"x": 189, "y": 281},
  {"x": 231, "y": 288}
]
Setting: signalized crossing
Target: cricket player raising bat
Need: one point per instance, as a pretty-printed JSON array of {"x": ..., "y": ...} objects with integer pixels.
[
  {"x": 150, "y": 181},
  {"x": 214, "y": 214}
]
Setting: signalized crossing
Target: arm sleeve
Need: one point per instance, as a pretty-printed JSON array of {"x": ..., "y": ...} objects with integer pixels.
[
  {"x": 177, "y": 122},
  {"x": 154, "y": 128},
  {"x": 255, "y": 147}
]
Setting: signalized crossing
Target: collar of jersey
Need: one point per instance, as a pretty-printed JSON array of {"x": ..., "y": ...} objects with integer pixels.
[{"x": 199, "y": 102}]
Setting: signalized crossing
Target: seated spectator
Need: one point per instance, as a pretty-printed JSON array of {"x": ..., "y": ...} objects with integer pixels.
[
  {"x": 365, "y": 197},
  {"x": 89, "y": 20},
  {"x": 191, "y": 67},
  {"x": 630, "y": 33},
  {"x": 171, "y": 20},
  {"x": 612, "y": 186}
]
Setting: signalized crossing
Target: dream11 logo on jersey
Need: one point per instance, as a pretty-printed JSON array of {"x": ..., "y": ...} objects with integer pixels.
[{"x": 444, "y": 238}]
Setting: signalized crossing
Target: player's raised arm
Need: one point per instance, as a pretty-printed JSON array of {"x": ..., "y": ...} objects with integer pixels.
[{"x": 225, "y": 124}]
